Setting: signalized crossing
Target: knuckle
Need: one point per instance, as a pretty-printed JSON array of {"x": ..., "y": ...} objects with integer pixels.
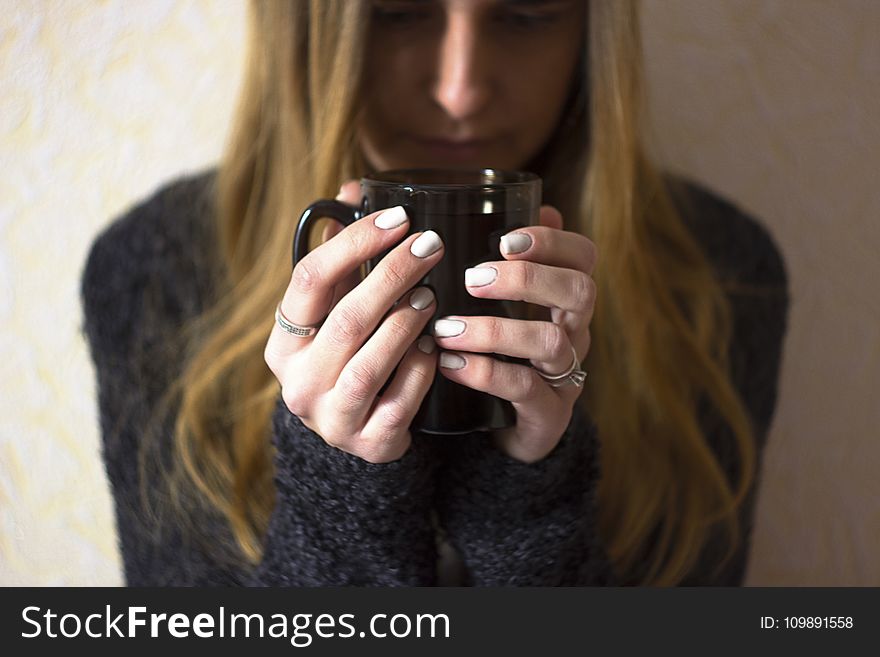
[
  {"x": 355, "y": 386},
  {"x": 329, "y": 424},
  {"x": 355, "y": 239},
  {"x": 294, "y": 399},
  {"x": 584, "y": 290},
  {"x": 348, "y": 324},
  {"x": 485, "y": 373},
  {"x": 494, "y": 329},
  {"x": 395, "y": 415},
  {"x": 555, "y": 341},
  {"x": 335, "y": 438},
  {"x": 524, "y": 274},
  {"x": 375, "y": 457},
  {"x": 398, "y": 328},
  {"x": 592, "y": 253},
  {"x": 334, "y": 433},
  {"x": 272, "y": 359},
  {"x": 306, "y": 275},
  {"x": 526, "y": 384},
  {"x": 393, "y": 274},
  {"x": 384, "y": 447},
  {"x": 422, "y": 376},
  {"x": 591, "y": 293}
]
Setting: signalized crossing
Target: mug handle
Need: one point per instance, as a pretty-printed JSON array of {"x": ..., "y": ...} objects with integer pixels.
[{"x": 346, "y": 214}]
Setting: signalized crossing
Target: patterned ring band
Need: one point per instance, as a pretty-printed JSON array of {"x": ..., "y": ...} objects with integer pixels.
[
  {"x": 574, "y": 375},
  {"x": 294, "y": 329}
]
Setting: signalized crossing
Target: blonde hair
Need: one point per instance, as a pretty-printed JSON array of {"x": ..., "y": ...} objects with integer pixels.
[{"x": 659, "y": 335}]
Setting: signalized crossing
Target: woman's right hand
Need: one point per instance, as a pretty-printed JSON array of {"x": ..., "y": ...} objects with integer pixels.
[{"x": 331, "y": 379}]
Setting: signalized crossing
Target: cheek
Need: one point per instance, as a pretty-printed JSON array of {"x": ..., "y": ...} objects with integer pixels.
[
  {"x": 390, "y": 80},
  {"x": 538, "y": 99}
]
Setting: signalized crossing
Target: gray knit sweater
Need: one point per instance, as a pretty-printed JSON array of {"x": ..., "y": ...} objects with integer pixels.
[{"x": 451, "y": 505}]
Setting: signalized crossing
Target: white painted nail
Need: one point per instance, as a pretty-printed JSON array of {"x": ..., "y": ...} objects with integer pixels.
[
  {"x": 477, "y": 276},
  {"x": 515, "y": 243},
  {"x": 426, "y": 344},
  {"x": 446, "y": 328},
  {"x": 426, "y": 244},
  {"x": 391, "y": 218},
  {"x": 421, "y": 298},
  {"x": 452, "y": 361}
]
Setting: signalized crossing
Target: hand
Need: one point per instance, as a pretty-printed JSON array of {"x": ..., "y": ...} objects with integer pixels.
[
  {"x": 553, "y": 269},
  {"x": 331, "y": 379}
]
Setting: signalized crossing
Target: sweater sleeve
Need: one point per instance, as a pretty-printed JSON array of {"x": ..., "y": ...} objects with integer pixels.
[
  {"x": 342, "y": 521},
  {"x": 526, "y": 524},
  {"x": 337, "y": 519}
]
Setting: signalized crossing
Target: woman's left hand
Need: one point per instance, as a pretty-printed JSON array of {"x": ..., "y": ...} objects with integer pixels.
[{"x": 544, "y": 265}]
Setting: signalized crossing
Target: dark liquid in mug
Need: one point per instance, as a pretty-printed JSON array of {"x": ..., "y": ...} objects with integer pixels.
[{"x": 451, "y": 408}]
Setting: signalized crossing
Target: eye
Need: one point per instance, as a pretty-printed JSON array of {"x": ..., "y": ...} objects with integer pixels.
[
  {"x": 525, "y": 19},
  {"x": 532, "y": 16},
  {"x": 400, "y": 12}
]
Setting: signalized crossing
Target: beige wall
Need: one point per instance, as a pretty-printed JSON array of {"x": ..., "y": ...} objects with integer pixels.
[
  {"x": 768, "y": 102},
  {"x": 776, "y": 104},
  {"x": 99, "y": 103}
]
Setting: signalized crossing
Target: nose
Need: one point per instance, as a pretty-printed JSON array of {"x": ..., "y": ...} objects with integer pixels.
[{"x": 461, "y": 87}]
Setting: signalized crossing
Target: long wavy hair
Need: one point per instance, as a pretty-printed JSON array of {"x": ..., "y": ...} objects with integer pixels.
[{"x": 661, "y": 327}]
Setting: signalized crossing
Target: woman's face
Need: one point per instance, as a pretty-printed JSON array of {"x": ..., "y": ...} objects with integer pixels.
[{"x": 467, "y": 83}]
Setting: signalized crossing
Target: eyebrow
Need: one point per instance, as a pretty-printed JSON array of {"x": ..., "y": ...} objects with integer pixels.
[{"x": 535, "y": 3}]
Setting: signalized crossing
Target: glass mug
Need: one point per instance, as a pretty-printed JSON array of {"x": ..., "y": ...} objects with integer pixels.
[{"x": 470, "y": 210}]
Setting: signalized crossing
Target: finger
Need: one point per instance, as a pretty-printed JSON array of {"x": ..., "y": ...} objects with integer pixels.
[
  {"x": 549, "y": 245},
  {"x": 310, "y": 292},
  {"x": 570, "y": 290},
  {"x": 331, "y": 229},
  {"x": 364, "y": 375},
  {"x": 550, "y": 216},
  {"x": 545, "y": 344},
  {"x": 516, "y": 383},
  {"x": 350, "y": 192},
  {"x": 398, "y": 405},
  {"x": 354, "y": 318}
]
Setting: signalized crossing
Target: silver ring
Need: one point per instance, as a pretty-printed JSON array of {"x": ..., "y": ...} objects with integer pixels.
[
  {"x": 294, "y": 329},
  {"x": 574, "y": 375}
]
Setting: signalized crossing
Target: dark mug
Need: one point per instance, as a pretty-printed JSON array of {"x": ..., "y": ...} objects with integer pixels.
[{"x": 471, "y": 211}]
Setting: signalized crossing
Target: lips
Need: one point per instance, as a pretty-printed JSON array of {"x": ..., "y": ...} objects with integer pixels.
[{"x": 455, "y": 149}]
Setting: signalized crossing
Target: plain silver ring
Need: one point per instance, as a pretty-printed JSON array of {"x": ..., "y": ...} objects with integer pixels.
[{"x": 294, "y": 329}]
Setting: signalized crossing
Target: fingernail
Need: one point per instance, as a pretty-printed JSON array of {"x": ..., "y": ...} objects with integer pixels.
[
  {"x": 391, "y": 218},
  {"x": 421, "y": 298},
  {"x": 426, "y": 244},
  {"x": 446, "y": 328},
  {"x": 515, "y": 243},
  {"x": 426, "y": 344},
  {"x": 477, "y": 276},
  {"x": 452, "y": 361}
]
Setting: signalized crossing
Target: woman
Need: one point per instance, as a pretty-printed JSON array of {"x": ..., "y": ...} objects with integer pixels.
[{"x": 225, "y": 470}]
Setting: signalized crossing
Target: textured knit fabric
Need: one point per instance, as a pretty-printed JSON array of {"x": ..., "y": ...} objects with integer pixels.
[{"x": 339, "y": 520}]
